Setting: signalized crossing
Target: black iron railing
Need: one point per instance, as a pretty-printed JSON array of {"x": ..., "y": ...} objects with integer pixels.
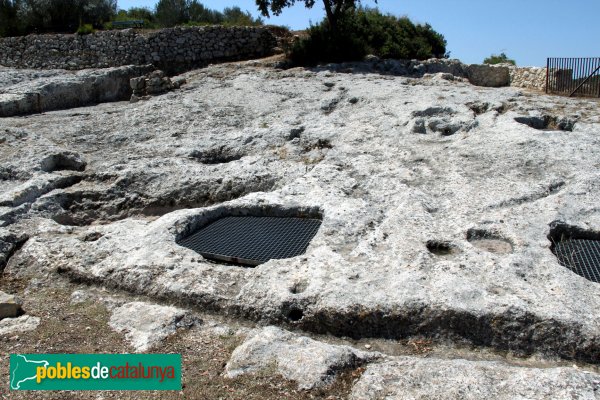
[{"x": 573, "y": 76}]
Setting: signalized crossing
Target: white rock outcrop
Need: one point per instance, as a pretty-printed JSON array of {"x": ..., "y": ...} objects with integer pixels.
[
  {"x": 308, "y": 362},
  {"x": 414, "y": 378},
  {"x": 24, "y": 323},
  {"x": 145, "y": 325}
]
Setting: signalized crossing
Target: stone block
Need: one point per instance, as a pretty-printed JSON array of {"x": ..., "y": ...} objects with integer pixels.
[{"x": 488, "y": 75}]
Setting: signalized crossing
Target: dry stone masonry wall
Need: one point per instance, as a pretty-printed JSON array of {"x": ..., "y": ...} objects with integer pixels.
[
  {"x": 528, "y": 77},
  {"x": 500, "y": 75},
  {"x": 172, "y": 50}
]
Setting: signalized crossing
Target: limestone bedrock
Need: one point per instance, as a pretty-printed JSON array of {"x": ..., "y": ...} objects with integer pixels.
[{"x": 397, "y": 167}]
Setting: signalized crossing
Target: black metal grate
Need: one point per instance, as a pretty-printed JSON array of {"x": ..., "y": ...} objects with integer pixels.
[
  {"x": 582, "y": 256},
  {"x": 573, "y": 76},
  {"x": 253, "y": 240}
]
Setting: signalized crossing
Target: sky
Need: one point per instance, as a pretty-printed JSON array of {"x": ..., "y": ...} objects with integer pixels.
[{"x": 528, "y": 31}]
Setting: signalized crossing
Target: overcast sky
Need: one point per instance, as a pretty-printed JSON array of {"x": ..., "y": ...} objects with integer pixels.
[{"x": 527, "y": 30}]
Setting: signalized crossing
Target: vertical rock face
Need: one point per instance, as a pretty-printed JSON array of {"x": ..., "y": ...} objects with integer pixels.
[
  {"x": 173, "y": 49},
  {"x": 9, "y": 244},
  {"x": 69, "y": 89},
  {"x": 488, "y": 75},
  {"x": 152, "y": 84}
]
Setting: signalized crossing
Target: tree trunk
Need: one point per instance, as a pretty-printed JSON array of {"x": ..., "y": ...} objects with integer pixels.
[
  {"x": 331, "y": 15},
  {"x": 335, "y": 9}
]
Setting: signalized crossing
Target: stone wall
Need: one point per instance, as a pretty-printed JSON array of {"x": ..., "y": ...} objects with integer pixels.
[
  {"x": 528, "y": 77},
  {"x": 173, "y": 49},
  {"x": 479, "y": 75},
  {"x": 500, "y": 75}
]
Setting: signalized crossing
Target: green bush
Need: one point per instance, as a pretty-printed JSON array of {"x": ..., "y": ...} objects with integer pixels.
[
  {"x": 85, "y": 29},
  {"x": 499, "y": 59},
  {"x": 367, "y": 31}
]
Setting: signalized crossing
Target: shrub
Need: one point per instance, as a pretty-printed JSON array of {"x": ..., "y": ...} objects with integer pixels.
[
  {"x": 499, "y": 59},
  {"x": 367, "y": 31},
  {"x": 85, "y": 29}
]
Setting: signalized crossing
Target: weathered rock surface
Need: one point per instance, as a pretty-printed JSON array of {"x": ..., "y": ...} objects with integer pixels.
[
  {"x": 399, "y": 169},
  {"x": 413, "y": 378},
  {"x": 308, "y": 362},
  {"x": 59, "y": 89},
  {"x": 146, "y": 325},
  {"x": 24, "y": 323},
  {"x": 10, "y": 305}
]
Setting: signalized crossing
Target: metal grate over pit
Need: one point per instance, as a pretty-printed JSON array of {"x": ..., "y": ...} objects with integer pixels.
[
  {"x": 581, "y": 256},
  {"x": 253, "y": 240}
]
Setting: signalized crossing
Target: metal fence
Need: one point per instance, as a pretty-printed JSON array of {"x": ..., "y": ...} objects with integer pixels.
[{"x": 573, "y": 76}]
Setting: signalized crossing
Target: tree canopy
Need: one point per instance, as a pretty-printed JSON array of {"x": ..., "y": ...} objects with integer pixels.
[
  {"x": 27, "y": 16},
  {"x": 334, "y": 9},
  {"x": 367, "y": 31},
  {"x": 175, "y": 12},
  {"x": 21, "y": 17},
  {"x": 501, "y": 58}
]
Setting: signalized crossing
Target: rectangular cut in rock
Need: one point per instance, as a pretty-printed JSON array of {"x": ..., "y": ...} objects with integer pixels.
[
  {"x": 10, "y": 306},
  {"x": 253, "y": 240}
]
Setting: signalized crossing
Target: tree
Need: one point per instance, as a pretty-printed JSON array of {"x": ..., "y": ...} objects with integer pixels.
[
  {"x": 334, "y": 9},
  {"x": 172, "y": 12},
  {"x": 368, "y": 31},
  {"x": 97, "y": 12},
  {"x": 62, "y": 15},
  {"x": 200, "y": 13},
  {"x": 501, "y": 58},
  {"x": 235, "y": 16},
  {"x": 136, "y": 13},
  {"x": 8, "y": 15}
]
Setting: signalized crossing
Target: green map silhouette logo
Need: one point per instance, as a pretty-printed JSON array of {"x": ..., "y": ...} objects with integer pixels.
[{"x": 23, "y": 369}]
